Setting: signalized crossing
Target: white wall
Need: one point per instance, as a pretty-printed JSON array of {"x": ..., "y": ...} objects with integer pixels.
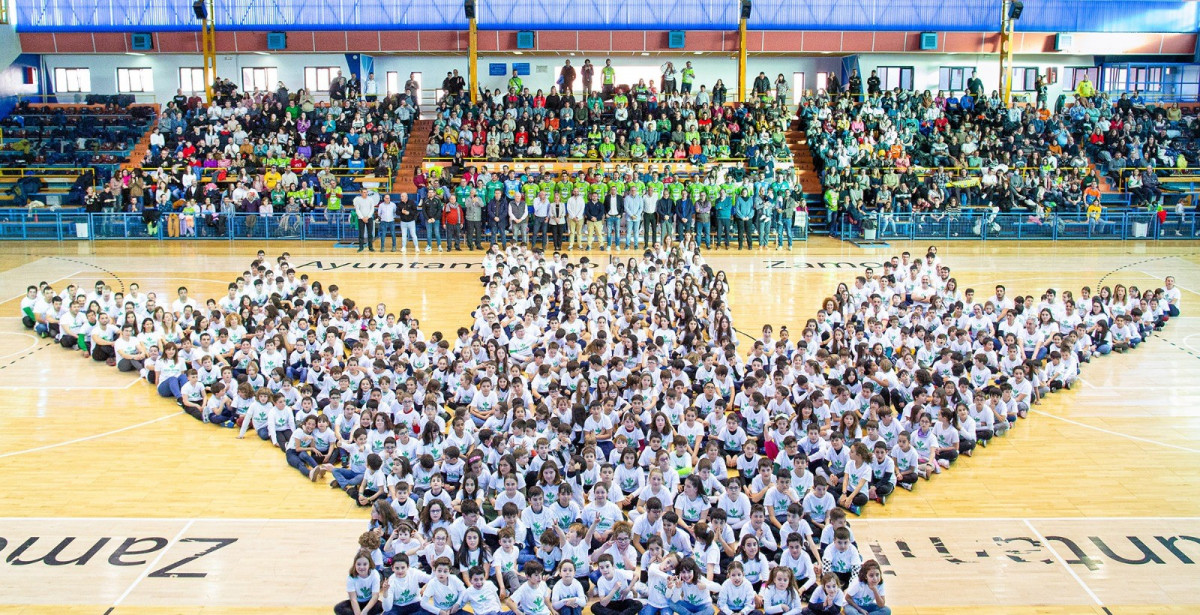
[
  {"x": 926, "y": 67},
  {"x": 544, "y": 68}
]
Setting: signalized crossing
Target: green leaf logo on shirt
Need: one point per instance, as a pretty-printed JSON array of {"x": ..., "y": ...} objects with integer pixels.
[{"x": 447, "y": 601}]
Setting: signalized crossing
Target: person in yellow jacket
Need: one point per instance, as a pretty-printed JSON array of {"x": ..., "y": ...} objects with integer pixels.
[{"x": 1085, "y": 89}]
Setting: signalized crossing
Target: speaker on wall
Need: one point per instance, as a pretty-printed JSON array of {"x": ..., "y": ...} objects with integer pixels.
[
  {"x": 200, "y": 9},
  {"x": 141, "y": 41},
  {"x": 929, "y": 41},
  {"x": 1015, "y": 9},
  {"x": 525, "y": 39},
  {"x": 469, "y": 8},
  {"x": 746, "y": 8},
  {"x": 276, "y": 41},
  {"x": 676, "y": 39},
  {"x": 1064, "y": 42}
]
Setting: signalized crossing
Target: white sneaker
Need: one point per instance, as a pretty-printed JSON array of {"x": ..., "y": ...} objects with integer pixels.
[{"x": 428, "y": 249}]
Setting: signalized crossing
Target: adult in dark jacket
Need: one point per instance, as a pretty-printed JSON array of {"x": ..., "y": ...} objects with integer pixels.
[
  {"x": 431, "y": 210},
  {"x": 496, "y": 221}
]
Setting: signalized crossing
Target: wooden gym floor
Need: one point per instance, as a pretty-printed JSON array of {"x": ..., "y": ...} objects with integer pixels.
[{"x": 117, "y": 502}]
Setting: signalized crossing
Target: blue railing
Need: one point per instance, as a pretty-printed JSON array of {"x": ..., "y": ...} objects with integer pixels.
[
  {"x": 63, "y": 226},
  {"x": 981, "y": 224},
  {"x": 18, "y": 224}
]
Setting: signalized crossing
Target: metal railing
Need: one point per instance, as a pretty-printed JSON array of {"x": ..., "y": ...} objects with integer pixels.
[
  {"x": 988, "y": 226},
  {"x": 22, "y": 224}
]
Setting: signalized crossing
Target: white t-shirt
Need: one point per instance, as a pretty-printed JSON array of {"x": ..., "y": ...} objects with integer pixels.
[{"x": 363, "y": 588}]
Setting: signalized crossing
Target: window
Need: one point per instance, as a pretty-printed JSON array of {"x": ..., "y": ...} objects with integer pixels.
[
  {"x": 1024, "y": 79},
  {"x": 822, "y": 80},
  {"x": 263, "y": 78},
  {"x": 393, "y": 83},
  {"x": 135, "y": 80},
  {"x": 1146, "y": 79},
  {"x": 1114, "y": 78},
  {"x": 318, "y": 78},
  {"x": 420, "y": 79},
  {"x": 1075, "y": 74},
  {"x": 953, "y": 78},
  {"x": 892, "y": 77},
  {"x": 797, "y": 85},
  {"x": 191, "y": 79},
  {"x": 73, "y": 79}
]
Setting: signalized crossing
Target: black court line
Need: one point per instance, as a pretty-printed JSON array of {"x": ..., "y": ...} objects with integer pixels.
[
  {"x": 1104, "y": 277},
  {"x": 93, "y": 266},
  {"x": 26, "y": 355}
]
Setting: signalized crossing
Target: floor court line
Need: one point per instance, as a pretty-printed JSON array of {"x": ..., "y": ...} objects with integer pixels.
[
  {"x": 1062, "y": 562},
  {"x": 360, "y": 521},
  {"x": 88, "y": 388},
  {"x": 153, "y": 566},
  {"x": 91, "y": 437},
  {"x": 51, "y": 282},
  {"x": 23, "y": 350},
  {"x": 1116, "y": 433}
]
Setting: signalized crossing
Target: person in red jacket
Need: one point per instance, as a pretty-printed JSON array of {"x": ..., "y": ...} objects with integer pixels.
[{"x": 452, "y": 218}]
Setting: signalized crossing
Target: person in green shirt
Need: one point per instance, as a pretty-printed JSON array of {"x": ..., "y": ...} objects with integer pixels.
[
  {"x": 606, "y": 150},
  {"x": 494, "y": 185},
  {"x": 335, "y": 201},
  {"x": 600, "y": 188},
  {"x": 514, "y": 82},
  {"x": 608, "y": 79},
  {"x": 530, "y": 189},
  {"x": 655, "y": 184},
  {"x": 638, "y": 150},
  {"x": 687, "y": 76},
  {"x": 619, "y": 184},
  {"x": 676, "y": 190}
]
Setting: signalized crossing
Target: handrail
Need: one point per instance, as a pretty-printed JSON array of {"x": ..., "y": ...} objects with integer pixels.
[
  {"x": 364, "y": 176},
  {"x": 982, "y": 224},
  {"x": 570, "y": 160},
  {"x": 140, "y": 98},
  {"x": 23, "y": 171},
  {"x": 45, "y": 224}
]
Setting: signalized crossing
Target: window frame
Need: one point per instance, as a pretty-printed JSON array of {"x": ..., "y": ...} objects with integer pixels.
[
  {"x": 314, "y": 85},
  {"x": 1073, "y": 73},
  {"x": 62, "y": 79},
  {"x": 270, "y": 75},
  {"x": 192, "y": 71},
  {"x": 884, "y": 74},
  {"x": 946, "y": 78},
  {"x": 1022, "y": 82}
]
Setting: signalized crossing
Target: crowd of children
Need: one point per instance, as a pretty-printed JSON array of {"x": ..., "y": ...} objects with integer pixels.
[{"x": 599, "y": 436}]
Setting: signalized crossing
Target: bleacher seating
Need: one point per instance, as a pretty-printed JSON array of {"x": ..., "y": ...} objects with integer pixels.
[{"x": 639, "y": 126}]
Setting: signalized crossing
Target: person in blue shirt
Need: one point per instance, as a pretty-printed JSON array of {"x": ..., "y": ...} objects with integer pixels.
[
  {"x": 723, "y": 210},
  {"x": 743, "y": 215}
]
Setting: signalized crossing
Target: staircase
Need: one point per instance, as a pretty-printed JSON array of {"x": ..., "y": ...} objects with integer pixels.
[
  {"x": 810, "y": 181},
  {"x": 142, "y": 149},
  {"x": 414, "y": 155}
]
